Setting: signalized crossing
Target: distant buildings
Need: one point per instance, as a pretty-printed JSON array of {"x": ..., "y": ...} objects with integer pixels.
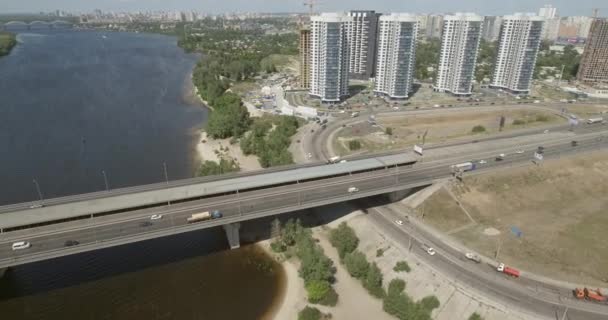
[
  {"x": 519, "y": 42},
  {"x": 552, "y": 22},
  {"x": 575, "y": 27},
  {"x": 362, "y": 43},
  {"x": 396, "y": 57},
  {"x": 329, "y": 56},
  {"x": 491, "y": 27},
  {"x": 305, "y": 58},
  {"x": 458, "y": 58},
  {"x": 594, "y": 62},
  {"x": 433, "y": 26}
]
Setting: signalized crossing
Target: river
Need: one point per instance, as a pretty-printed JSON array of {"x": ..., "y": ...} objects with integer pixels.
[{"x": 76, "y": 105}]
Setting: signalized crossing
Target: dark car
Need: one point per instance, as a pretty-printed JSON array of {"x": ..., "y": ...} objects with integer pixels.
[
  {"x": 71, "y": 243},
  {"x": 145, "y": 224}
]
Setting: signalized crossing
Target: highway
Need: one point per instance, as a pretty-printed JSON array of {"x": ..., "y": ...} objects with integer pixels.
[
  {"x": 524, "y": 294},
  {"x": 49, "y": 241}
]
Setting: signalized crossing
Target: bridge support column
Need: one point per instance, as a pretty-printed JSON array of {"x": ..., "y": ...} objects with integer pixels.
[
  {"x": 232, "y": 233},
  {"x": 2, "y": 272},
  {"x": 398, "y": 195}
]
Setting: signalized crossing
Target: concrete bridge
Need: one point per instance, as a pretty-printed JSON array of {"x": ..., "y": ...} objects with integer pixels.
[{"x": 37, "y": 24}]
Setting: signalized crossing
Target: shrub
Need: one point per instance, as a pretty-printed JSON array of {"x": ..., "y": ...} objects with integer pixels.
[
  {"x": 344, "y": 239},
  {"x": 518, "y": 122},
  {"x": 278, "y": 246},
  {"x": 429, "y": 303},
  {"x": 478, "y": 129},
  {"x": 379, "y": 252},
  {"x": 356, "y": 264},
  {"x": 330, "y": 299},
  {"x": 389, "y": 131},
  {"x": 475, "y": 316},
  {"x": 542, "y": 118},
  {"x": 309, "y": 313},
  {"x": 373, "y": 281},
  {"x": 354, "y": 145},
  {"x": 396, "y": 286},
  {"x": 402, "y": 266}
]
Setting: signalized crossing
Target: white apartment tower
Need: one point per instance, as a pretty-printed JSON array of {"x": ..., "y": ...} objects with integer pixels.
[
  {"x": 362, "y": 43},
  {"x": 396, "y": 57},
  {"x": 330, "y": 56},
  {"x": 459, "y": 45},
  {"x": 519, "y": 42}
]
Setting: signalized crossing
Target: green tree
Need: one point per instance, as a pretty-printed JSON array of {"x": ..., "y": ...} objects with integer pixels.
[
  {"x": 373, "y": 281},
  {"x": 309, "y": 313},
  {"x": 401, "y": 266},
  {"x": 396, "y": 286},
  {"x": 356, "y": 264},
  {"x": 429, "y": 303},
  {"x": 317, "y": 290},
  {"x": 344, "y": 239},
  {"x": 210, "y": 168}
]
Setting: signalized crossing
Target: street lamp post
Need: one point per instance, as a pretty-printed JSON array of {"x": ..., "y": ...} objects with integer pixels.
[
  {"x": 105, "y": 180},
  {"x": 38, "y": 190}
]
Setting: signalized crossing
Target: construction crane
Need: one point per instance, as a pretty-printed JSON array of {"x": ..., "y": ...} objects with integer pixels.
[{"x": 311, "y": 6}]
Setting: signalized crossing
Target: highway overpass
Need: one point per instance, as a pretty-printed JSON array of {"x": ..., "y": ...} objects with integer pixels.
[{"x": 107, "y": 219}]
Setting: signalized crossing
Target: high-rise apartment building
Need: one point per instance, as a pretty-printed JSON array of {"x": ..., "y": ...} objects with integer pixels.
[
  {"x": 459, "y": 45},
  {"x": 594, "y": 62},
  {"x": 552, "y": 22},
  {"x": 305, "y": 58},
  {"x": 396, "y": 58},
  {"x": 330, "y": 56},
  {"x": 433, "y": 26},
  {"x": 491, "y": 27},
  {"x": 519, "y": 42},
  {"x": 573, "y": 27},
  {"x": 362, "y": 43}
]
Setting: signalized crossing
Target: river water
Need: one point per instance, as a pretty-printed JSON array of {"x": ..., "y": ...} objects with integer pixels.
[{"x": 75, "y": 104}]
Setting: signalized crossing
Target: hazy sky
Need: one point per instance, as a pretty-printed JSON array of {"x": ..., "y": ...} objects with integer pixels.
[{"x": 565, "y": 7}]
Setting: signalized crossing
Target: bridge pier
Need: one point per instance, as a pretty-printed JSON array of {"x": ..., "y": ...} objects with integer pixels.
[
  {"x": 398, "y": 195},
  {"x": 2, "y": 272},
  {"x": 232, "y": 233}
]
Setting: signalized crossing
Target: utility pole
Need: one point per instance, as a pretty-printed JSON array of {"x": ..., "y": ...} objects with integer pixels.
[
  {"x": 561, "y": 76},
  {"x": 105, "y": 180}
]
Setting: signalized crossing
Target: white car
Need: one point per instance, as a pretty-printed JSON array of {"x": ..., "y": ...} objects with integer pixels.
[
  {"x": 399, "y": 222},
  {"x": 353, "y": 190},
  {"x": 431, "y": 251},
  {"x": 156, "y": 217},
  {"x": 36, "y": 206},
  {"x": 546, "y": 131},
  {"x": 473, "y": 257},
  {"x": 21, "y": 245},
  {"x": 519, "y": 151},
  {"x": 482, "y": 162},
  {"x": 396, "y": 108}
]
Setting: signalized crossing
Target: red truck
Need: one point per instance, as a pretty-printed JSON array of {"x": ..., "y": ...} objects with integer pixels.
[{"x": 508, "y": 270}]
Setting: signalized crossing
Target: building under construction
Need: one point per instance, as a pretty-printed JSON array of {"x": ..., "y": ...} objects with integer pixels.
[
  {"x": 305, "y": 58},
  {"x": 594, "y": 62}
]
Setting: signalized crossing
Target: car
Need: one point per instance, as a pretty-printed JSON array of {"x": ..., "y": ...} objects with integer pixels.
[
  {"x": 353, "y": 190},
  {"x": 20, "y": 245},
  {"x": 396, "y": 108},
  {"x": 156, "y": 217},
  {"x": 71, "y": 243},
  {"x": 431, "y": 251},
  {"x": 36, "y": 206},
  {"x": 145, "y": 224},
  {"x": 483, "y": 161},
  {"x": 399, "y": 222},
  {"x": 343, "y": 161},
  {"x": 473, "y": 257},
  {"x": 546, "y": 131},
  {"x": 519, "y": 151}
]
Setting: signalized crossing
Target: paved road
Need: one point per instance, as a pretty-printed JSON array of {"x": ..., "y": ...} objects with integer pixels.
[
  {"x": 522, "y": 293},
  {"x": 49, "y": 241}
]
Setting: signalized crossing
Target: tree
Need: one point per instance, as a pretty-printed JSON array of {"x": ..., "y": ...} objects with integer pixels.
[
  {"x": 373, "y": 281},
  {"x": 396, "y": 286},
  {"x": 317, "y": 290},
  {"x": 210, "y": 168},
  {"x": 389, "y": 131},
  {"x": 309, "y": 313},
  {"x": 401, "y": 266},
  {"x": 354, "y": 145},
  {"x": 429, "y": 303},
  {"x": 356, "y": 264},
  {"x": 478, "y": 129},
  {"x": 344, "y": 239}
]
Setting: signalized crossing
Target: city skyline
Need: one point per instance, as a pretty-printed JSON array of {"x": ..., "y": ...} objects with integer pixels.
[{"x": 564, "y": 7}]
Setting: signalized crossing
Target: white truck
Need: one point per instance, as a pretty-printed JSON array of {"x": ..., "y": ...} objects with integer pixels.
[
  {"x": 354, "y": 114},
  {"x": 595, "y": 120},
  {"x": 466, "y": 166}
]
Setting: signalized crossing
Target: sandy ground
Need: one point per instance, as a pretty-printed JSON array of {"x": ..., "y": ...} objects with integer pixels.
[
  {"x": 439, "y": 127},
  {"x": 560, "y": 209},
  {"x": 207, "y": 152}
]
